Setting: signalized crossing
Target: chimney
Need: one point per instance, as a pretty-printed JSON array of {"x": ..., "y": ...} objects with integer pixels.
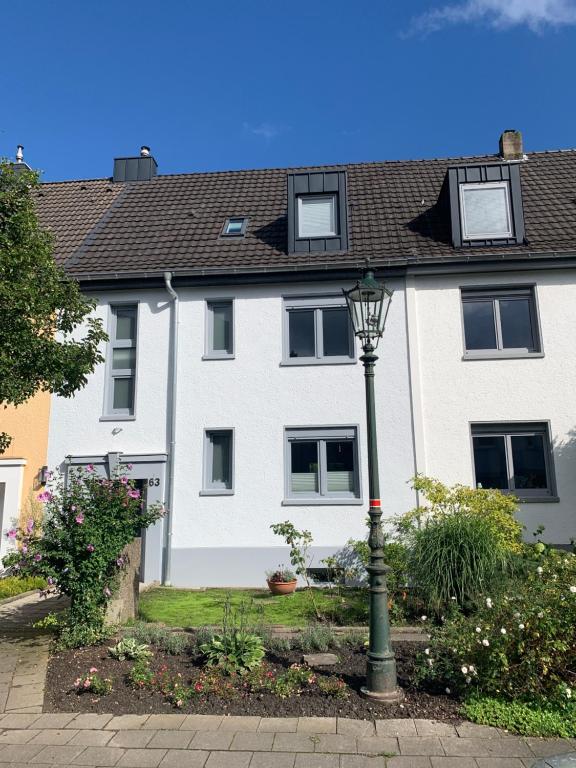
[
  {"x": 20, "y": 165},
  {"x": 511, "y": 147},
  {"x": 141, "y": 168}
]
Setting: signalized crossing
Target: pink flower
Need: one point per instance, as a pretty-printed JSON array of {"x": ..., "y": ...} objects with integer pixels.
[
  {"x": 134, "y": 493},
  {"x": 30, "y": 526},
  {"x": 90, "y": 548},
  {"x": 50, "y": 580},
  {"x": 44, "y": 496},
  {"x": 73, "y": 508},
  {"x": 124, "y": 480},
  {"x": 107, "y": 592},
  {"x": 129, "y": 466},
  {"x": 37, "y": 557},
  {"x": 24, "y": 548},
  {"x": 92, "y": 670},
  {"x": 79, "y": 518},
  {"x": 90, "y": 468},
  {"x": 12, "y": 533},
  {"x": 120, "y": 562},
  {"x": 77, "y": 682},
  {"x": 87, "y": 682}
]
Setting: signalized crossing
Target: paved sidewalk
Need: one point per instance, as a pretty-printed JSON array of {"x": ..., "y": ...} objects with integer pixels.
[
  {"x": 23, "y": 654},
  {"x": 209, "y": 741}
]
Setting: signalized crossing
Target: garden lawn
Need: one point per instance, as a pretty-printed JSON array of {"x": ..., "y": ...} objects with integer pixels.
[{"x": 190, "y": 608}]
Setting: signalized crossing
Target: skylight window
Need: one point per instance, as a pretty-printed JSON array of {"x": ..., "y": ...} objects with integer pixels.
[
  {"x": 235, "y": 227},
  {"x": 485, "y": 211}
]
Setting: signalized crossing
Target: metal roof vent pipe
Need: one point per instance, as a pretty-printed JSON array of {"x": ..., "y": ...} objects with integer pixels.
[
  {"x": 141, "y": 168},
  {"x": 20, "y": 165},
  {"x": 511, "y": 145}
]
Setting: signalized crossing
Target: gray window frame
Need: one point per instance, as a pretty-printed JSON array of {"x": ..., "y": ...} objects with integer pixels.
[
  {"x": 507, "y": 430},
  {"x": 208, "y": 487},
  {"x": 111, "y": 413},
  {"x": 209, "y": 352},
  {"x": 495, "y": 293},
  {"x": 333, "y": 196},
  {"x": 486, "y": 235},
  {"x": 317, "y": 183},
  {"x": 318, "y": 304},
  {"x": 321, "y": 434},
  {"x": 242, "y": 232}
]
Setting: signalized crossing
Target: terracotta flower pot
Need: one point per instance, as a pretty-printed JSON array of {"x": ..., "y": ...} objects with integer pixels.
[{"x": 282, "y": 587}]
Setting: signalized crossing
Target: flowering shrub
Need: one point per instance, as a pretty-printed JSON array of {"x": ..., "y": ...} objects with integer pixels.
[
  {"x": 78, "y": 549},
  {"x": 93, "y": 683},
  {"x": 520, "y": 644}
]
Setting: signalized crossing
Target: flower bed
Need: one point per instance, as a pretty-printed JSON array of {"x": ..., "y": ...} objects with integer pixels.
[{"x": 277, "y": 688}]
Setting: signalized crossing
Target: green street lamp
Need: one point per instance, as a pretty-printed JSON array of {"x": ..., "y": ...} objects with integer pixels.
[{"x": 368, "y": 304}]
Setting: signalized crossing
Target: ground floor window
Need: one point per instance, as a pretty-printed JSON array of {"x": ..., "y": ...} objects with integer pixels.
[
  {"x": 322, "y": 464},
  {"x": 514, "y": 457},
  {"x": 218, "y": 461}
]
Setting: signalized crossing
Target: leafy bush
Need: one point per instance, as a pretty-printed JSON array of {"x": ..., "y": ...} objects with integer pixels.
[
  {"x": 173, "y": 643},
  {"x": 140, "y": 675},
  {"x": 234, "y": 652},
  {"x": 524, "y": 719},
  {"x": 521, "y": 643},
  {"x": 129, "y": 648},
  {"x": 79, "y": 548},
  {"x": 317, "y": 637},
  {"x": 16, "y": 585},
  {"x": 93, "y": 683}
]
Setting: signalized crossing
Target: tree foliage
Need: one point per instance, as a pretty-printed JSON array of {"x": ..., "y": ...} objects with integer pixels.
[{"x": 41, "y": 309}]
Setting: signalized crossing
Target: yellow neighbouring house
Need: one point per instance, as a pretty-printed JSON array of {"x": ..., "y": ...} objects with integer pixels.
[{"x": 22, "y": 464}]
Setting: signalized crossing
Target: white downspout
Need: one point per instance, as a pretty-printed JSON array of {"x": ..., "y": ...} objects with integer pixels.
[{"x": 171, "y": 426}]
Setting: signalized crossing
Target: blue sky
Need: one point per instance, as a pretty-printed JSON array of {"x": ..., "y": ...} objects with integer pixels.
[{"x": 224, "y": 84}]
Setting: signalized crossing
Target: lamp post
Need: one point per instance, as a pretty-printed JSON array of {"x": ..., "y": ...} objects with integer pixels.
[{"x": 368, "y": 303}]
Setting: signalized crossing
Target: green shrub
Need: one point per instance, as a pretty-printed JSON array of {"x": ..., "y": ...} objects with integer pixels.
[
  {"x": 521, "y": 718},
  {"x": 455, "y": 559},
  {"x": 79, "y": 547},
  {"x": 16, "y": 585},
  {"x": 317, "y": 637},
  {"x": 92, "y": 682},
  {"x": 140, "y": 675},
  {"x": 280, "y": 644},
  {"x": 234, "y": 652},
  {"x": 176, "y": 643},
  {"x": 520, "y": 644},
  {"x": 129, "y": 648}
]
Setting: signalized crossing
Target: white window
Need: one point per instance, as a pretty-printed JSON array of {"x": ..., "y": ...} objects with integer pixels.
[
  {"x": 317, "y": 216},
  {"x": 317, "y": 329},
  {"x": 235, "y": 226},
  {"x": 218, "y": 462},
  {"x": 122, "y": 361},
  {"x": 322, "y": 465},
  {"x": 485, "y": 211}
]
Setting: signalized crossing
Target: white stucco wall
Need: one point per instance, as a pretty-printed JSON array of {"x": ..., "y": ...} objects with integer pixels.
[
  {"x": 450, "y": 393},
  {"x": 227, "y": 539}
]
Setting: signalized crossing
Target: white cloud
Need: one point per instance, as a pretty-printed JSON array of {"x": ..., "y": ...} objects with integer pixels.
[
  {"x": 268, "y": 131},
  {"x": 499, "y": 14}
]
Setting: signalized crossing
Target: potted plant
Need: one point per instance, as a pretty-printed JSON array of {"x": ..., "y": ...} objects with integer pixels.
[{"x": 282, "y": 581}]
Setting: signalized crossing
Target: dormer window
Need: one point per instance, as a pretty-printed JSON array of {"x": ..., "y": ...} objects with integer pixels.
[
  {"x": 485, "y": 211},
  {"x": 235, "y": 227},
  {"x": 317, "y": 212},
  {"x": 486, "y": 205},
  {"x": 317, "y": 216}
]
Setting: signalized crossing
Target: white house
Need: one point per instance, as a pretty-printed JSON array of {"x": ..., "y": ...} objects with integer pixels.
[{"x": 232, "y": 384}]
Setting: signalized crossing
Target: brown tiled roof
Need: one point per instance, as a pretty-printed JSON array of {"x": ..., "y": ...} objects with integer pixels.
[{"x": 397, "y": 214}]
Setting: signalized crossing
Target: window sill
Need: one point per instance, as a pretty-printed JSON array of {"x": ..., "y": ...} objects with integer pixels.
[
  {"x": 321, "y": 502},
  {"x": 300, "y": 361},
  {"x": 539, "y": 500},
  {"x": 495, "y": 355},
  {"x": 217, "y": 492},
  {"x": 218, "y": 357},
  {"x": 117, "y": 417}
]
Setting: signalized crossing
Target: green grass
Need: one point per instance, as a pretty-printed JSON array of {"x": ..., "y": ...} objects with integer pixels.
[
  {"x": 521, "y": 718},
  {"x": 189, "y": 608},
  {"x": 15, "y": 585}
]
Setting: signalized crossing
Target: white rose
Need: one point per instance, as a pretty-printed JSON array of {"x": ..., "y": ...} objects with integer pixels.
[
  {"x": 539, "y": 570},
  {"x": 572, "y": 589},
  {"x": 502, "y": 631},
  {"x": 464, "y": 670},
  {"x": 520, "y": 626},
  {"x": 478, "y": 630},
  {"x": 427, "y": 651},
  {"x": 485, "y": 642}
]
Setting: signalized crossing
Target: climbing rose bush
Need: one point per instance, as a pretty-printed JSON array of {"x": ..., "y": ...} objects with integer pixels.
[
  {"x": 521, "y": 643},
  {"x": 78, "y": 548}
]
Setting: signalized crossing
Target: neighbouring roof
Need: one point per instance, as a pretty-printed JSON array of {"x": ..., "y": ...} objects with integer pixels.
[{"x": 398, "y": 213}]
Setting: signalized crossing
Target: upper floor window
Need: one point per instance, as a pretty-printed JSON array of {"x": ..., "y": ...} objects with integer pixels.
[
  {"x": 317, "y": 216},
  {"x": 515, "y": 458},
  {"x": 317, "y": 211},
  {"x": 501, "y": 321},
  {"x": 121, "y": 386},
  {"x": 485, "y": 211},
  {"x": 317, "y": 329},
  {"x": 486, "y": 205},
  {"x": 235, "y": 227},
  {"x": 219, "y": 329}
]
